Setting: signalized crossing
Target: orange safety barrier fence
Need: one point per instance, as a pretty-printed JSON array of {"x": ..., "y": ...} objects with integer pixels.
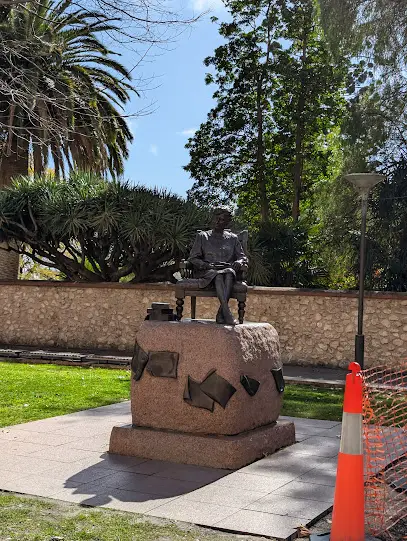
[{"x": 385, "y": 449}]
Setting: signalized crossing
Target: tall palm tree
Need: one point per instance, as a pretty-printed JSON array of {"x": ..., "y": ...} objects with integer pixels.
[{"x": 61, "y": 92}]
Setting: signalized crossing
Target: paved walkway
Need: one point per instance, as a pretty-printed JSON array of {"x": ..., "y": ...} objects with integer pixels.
[
  {"x": 66, "y": 458},
  {"x": 315, "y": 375}
]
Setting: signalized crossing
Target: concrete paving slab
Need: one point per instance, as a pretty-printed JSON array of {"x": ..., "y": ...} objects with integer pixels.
[
  {"x": 112, "y": 462},
  {"x": 14, "y": 463},
  {"x": 94, "y": 443},
  {"x": 187, "y": 472},
  {"x": 247, "y": 481},
  {"x": 287, "y": 461},
  {"x": 286, "y": 506},
  {"x": 134, "y": 502},
  {"x": 156, "y": 485},
  {"x": 334, "y": 432},
  {"x": 152, "y": 467},
  {"x": 316, "y": 423},
  {"x": 66, "y": 460},
  {"x": 320, "y": 446},
  {"x": 222, "y": 495},
  {"x": 307, "y": 491},
  {"x": 255, "y": 522},
  {"x": 23, "y": 448},
  {"x": 37, "y": 485},
  {"x": 320, "y": 477},
  {"x": 73, "y": 495},
  {"x": 33, "y": 437},
  {"x": 76, "y": 473},
  {"x": 300, "y": 436},
  {"x": 204, "y": 514},
  {"x": 63, "y": 453},
  {"x": 316, "y": 373}
]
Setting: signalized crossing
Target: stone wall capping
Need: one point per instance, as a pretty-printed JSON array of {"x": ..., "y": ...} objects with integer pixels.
[
  {"x": 10, "y": 353},
  {"x": 168, "y": 286},
  {"x": 23, "y": 355}
]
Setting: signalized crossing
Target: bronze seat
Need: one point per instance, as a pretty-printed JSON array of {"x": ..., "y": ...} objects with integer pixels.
[{"x": 189, "y": 287}]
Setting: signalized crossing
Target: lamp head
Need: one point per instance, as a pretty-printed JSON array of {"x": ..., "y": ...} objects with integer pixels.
[{"x": 364, "y": 182}]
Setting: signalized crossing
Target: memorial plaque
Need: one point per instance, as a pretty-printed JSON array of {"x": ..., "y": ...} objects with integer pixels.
[
  {"x": 250, "y": 385},
  {"x": 163, "y": 364},
  {"x": 217, "y": 388},
  {"x": 194, "y": 396},
  {"x": 138, "y": 362}
]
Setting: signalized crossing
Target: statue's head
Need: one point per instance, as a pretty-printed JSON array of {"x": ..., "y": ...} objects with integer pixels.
[{"x": 221, "y": 219}]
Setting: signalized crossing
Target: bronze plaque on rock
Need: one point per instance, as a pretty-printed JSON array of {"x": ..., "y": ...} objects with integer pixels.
[
  {"x": 194, "y": 396},
  {"x": 138, "y": 362},
  {"x": 251, "y": 385},
  {"x": 218, "y": 388},
  {"x": 163, "y": 364}
]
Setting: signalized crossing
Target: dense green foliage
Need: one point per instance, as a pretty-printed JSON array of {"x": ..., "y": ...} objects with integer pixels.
[
  {"x": 386, "y": 236},
  {"x": 62, "y": 91},
  {"x": 273, "y": 135},
  {"x": 373, "y": 138},
  {"x": 279, "y": 99},
  {"x": 376, "y": 28},
  {"x": 94, "y": 230},
  {"x": 297, "y": 105}
]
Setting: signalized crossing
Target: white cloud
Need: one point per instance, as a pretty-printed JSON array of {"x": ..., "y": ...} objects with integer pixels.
[
  {"x": 132, "y": 124},
  {"x": 205, "y": 5},
  {"x": 154, "y": 149},
  {"x": 189, "y": 132}
]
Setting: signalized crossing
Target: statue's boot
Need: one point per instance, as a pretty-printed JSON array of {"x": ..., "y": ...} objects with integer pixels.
[
  {"x": 219, "y": 316},
  {"x": 228, "y": 316}
]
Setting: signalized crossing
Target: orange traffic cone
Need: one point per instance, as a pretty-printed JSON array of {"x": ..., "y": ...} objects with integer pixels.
[{"x": 348, "y": 517}]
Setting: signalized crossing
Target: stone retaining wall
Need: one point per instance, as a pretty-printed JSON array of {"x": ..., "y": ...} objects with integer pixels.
[{"x": 315, "y": 327}]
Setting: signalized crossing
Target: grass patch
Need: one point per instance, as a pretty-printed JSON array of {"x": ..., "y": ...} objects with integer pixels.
[
  {"x": 313, "y": 402},
  {"x": 30, "y": 392},
  {"x": 31, "y": 519}
]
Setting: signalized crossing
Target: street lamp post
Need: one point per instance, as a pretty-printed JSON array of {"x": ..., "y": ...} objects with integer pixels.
[{"x": 363, "y": 182}]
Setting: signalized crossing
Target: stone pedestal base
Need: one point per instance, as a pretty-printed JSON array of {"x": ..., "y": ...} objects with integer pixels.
[
  {"x": 251, "y": 349},
  {"x": 227, "y": 452},
  {"x": 205, "y": 394}
]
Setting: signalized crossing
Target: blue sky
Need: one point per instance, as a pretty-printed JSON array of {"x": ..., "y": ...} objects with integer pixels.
[{"x": 181, "y": 101}]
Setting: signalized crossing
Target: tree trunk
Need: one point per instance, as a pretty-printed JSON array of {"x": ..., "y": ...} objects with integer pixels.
[
  {"x": 9, "y": 264},
  {"x": 261, "y": 177},
  {"x": 299, "y": 161},
  {"x": 299, "y": 135},
  {"x": 260, "y": 158},
  {"x": 13, "y": 165}
]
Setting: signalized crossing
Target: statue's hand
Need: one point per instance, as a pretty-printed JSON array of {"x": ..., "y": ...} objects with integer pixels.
[
  {"x": 207, "y": 266},
  {"x": 237, "y": 266}
]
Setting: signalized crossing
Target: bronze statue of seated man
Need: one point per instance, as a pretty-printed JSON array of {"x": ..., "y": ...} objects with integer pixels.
[{"x": 217, "y": 256}]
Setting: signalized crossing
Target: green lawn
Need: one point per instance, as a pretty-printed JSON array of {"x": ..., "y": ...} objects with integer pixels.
[
  {"x": 313, "y": 402},
  {"x": 30, "y": 392},
  {"x": 31, "y": 519}
]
